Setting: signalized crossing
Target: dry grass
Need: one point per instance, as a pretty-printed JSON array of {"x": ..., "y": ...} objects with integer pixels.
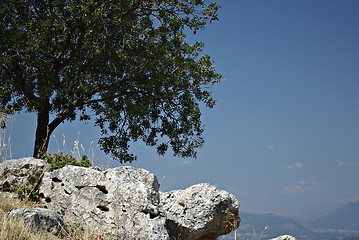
[
  {"x": 78, "y": 151},
  {"x": 14, "y": 229},
  {"x": 10, "y": 228},
  {"x": 6, "y": 121}
]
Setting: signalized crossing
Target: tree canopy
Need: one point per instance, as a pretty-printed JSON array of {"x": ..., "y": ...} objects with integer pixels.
[{"x": 126, "y": 64}]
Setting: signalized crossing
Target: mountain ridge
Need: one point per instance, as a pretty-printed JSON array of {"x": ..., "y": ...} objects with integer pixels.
[
  {"x": 345, "y": 217},
  {"x": 267, "y": 226}
]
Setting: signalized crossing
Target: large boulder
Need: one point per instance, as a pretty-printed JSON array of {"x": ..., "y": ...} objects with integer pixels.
[
  {"x": 17, "y": 171},
  {"x": 46, "y": 219},
  {"x": 200, "y": 212},
  {"x": 123, "y": 200}
]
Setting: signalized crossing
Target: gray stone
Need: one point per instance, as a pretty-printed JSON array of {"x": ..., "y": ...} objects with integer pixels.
[
  {"x": 284, "y": 237},
  {"x": 43, "y": 218},
  {"x": 15, "y": 172},
  {"x": 126, "y": 202},
  {"x": 200, "y": 212},
  {"x": 123, "y": 201}
]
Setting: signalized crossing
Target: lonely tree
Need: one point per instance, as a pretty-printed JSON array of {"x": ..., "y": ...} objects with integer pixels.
[{"x": 124, "y": 63}]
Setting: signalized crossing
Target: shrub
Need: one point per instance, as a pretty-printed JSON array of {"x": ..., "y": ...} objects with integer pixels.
[{"x": 60, "y": 160}]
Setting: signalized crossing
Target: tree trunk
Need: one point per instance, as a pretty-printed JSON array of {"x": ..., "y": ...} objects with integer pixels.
[{"x": 42, "y": 131}]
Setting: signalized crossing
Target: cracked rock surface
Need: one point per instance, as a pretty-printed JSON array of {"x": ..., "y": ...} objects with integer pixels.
[
  {"x": 36, "y": 218},
  {"x": 15, "y": 172},
  {"x": 201, "y": 211},
  {"x": 126, "y": 202},
  {"x": 121, "y": 200}
]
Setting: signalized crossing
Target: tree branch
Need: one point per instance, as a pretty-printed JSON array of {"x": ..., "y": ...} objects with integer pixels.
[
  {"x": 63, "y": 115},
  {"x": 68, "y": 111},
  {"x": 34, "y": 7},
  {"x": 20, "y": 80},
  {"x": 73, "y": 53}
]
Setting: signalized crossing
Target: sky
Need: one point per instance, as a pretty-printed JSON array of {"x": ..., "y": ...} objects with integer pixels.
[{"x": 285, "y": 130}]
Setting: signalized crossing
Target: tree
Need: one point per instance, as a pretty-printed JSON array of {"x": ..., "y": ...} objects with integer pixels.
[{"x": 125, "y": 63}]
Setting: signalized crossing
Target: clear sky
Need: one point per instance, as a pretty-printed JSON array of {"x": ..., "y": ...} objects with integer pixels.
[{"x": 285, "y": 130}]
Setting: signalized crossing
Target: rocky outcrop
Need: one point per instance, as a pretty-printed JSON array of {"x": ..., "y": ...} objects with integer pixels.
[
  {"x": 126, "y": 202},
  {"x": 49, "y": 220},
  {"x": 200, "y": 212},
  {"x": 121, "y": 200},
  {"x": 16, "y": 172},
  {"x": 284, "y": 237}
]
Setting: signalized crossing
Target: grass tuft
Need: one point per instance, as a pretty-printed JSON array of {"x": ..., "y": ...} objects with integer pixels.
[
  {"x": 15, "y": 229},
  {"x": 5, "y": 136}
]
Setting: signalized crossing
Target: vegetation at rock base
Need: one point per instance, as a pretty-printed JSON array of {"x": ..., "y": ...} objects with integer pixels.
[
  {"x": 28, "y": 189},
  {"x": 11, "y": 228},
  {"x": 125, "y": 64}
]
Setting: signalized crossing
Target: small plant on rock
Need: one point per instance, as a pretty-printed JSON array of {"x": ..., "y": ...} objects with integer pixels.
[
  {"x": 27, "y": 190},
  {"x": 61, "y": 160}
]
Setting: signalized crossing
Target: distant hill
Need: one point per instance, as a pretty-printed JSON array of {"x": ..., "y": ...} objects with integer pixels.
[
  {"x": 308, "y": 213},
  {"x": 345, "y": 217},
  {"x": 252, "y": 226},
  {"x": 267, "y": 226}
]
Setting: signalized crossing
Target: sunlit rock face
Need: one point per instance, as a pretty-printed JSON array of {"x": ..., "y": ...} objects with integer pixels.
[
  {"x": 126, "y": 202},
  {"x": 201, "y": 211},
  {"x": 15, "y": 172},
  {"x": 122, "y": 200}
]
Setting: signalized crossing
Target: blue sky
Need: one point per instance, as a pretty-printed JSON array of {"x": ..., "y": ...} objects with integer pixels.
[{"x": 285, "y": 130}]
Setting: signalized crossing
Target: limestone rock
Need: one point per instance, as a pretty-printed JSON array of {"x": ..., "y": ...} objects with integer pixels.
[
  {"x": 15, "y": 172},
  {"x": 200, "y": 212},
  {"x": 284, "y": 237},
  {"x": 123, "y": 201},
  {"x": 36, "y": 218}
]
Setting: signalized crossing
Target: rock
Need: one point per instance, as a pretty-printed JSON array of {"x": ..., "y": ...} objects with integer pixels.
[
  {"x": 15, "y": 172},
  {"x": 200, "y": 212},
  {"x": 284, "y": 237},
  {"x": 123, "y": 201},
  {"x": 36, "y": 218}
]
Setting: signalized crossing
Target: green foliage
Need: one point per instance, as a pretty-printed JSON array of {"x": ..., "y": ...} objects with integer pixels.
[
  {"x": 74, "y": 227},
  {"x": 60, "y": 160},
  {"x": 125, "y": 63},
  {"x": 28, "y": 188}
]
